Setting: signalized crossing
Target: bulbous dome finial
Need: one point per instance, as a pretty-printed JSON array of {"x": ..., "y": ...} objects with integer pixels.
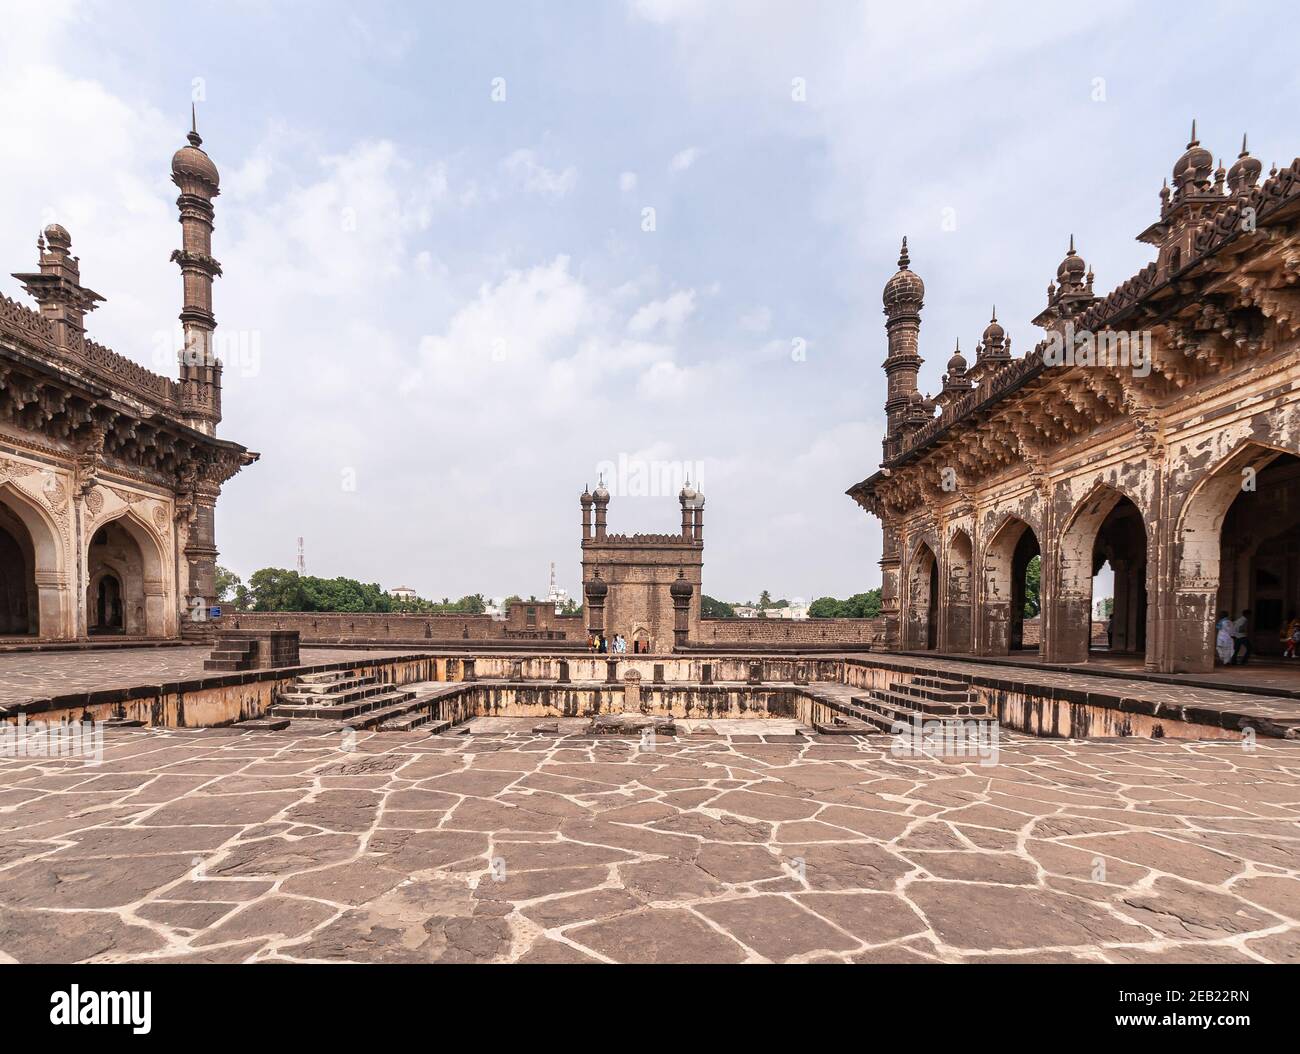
[
  {"x": 1245, "y": 171},
  {"x": 993, "y": 332},
  {"x": 192, "y": 169},
  {"x": 1072, "y": 268},
  {"x": 904, "y": 290},
  {"x": 1195, "y": 165},
  {"x": 58, "y": 237}
]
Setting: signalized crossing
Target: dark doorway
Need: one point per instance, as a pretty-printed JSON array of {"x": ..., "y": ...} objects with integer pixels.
[
  {"x": 108, "y": 606},
  {"x": 18, "y": 605}
]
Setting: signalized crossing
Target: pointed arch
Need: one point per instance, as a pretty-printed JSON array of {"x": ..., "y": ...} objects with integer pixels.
[
  {"x": 138, "y": 558},
  {"x": 1198, "y": 548},
  {"x": 1006, "y": 556},
  {"x": 921, "y": 599},
  {"x": 56, "y": 615},
  {"x": 1100, "y": 527},
  {"x": 958, "y": 590}
]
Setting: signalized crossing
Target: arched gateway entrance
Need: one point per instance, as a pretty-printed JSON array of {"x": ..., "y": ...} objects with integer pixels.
[
  {"x": 1010, "y": 581},
  {"x": 124, "y": 591},
  {"x": 1106, "y": 528}
]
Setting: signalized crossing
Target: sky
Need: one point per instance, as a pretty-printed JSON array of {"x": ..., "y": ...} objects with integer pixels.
[{"x": 476, "y": 253}]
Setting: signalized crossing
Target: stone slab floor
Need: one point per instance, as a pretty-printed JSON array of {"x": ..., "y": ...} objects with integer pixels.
[{"x": 230, "y": 846}]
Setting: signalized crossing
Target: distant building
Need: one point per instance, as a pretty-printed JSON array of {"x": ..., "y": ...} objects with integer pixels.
[
  {"x": 403, "y": 593},
  {"x": 636, "y": 584}
]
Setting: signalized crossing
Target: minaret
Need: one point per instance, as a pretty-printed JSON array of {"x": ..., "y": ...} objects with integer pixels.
[
  {"x": 200, "y": 371},
  {"x": 586, "y": 513},
  {"x": 903, "y": 298},
  {"x": 601, "y": 498},
  {"x": 687, "y": 499}
]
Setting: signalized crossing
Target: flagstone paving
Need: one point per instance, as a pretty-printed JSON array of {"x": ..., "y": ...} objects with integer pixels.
[
  {"x": 42, "y": 674},
  {"x": 511, "y": 846}
]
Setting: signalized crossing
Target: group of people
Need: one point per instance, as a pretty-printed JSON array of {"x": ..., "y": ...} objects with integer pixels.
[
  {"x": 1232, "y": 638},
  {"x": 617, "y": 645}
]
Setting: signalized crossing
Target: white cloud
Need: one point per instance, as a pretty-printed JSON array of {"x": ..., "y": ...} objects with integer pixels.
[
  {"x": 684, "y": 159},
  {"x": 667, "y": 315},
  {"x": 759, "y": 320},
  {"x": 536, "y": 178}
]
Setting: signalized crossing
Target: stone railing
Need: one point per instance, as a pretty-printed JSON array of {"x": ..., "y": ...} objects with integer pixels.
[{"x": 100, "y": 362}]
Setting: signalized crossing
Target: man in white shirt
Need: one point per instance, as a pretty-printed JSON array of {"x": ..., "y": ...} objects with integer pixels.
[{"x": 1241, "y": 638}]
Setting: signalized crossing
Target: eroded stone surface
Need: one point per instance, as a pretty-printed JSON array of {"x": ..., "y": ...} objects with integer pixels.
[{"x": 524, "y": 846}]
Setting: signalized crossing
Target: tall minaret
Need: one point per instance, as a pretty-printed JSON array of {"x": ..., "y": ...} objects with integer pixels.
[
  {"x": 601, "y": 498},
  {"x": 200, "y": 371},
  {"x": 903, "y": 297}
]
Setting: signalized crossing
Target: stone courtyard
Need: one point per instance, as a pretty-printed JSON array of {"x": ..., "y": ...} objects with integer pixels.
[{"x": 498, "y": 844}]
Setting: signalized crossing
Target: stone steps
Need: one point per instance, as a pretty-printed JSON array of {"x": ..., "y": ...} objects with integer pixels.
[
  {"x": 231, "y": 656},
  {"x": 385, "y": 696},
  {"x": 885, "y": 712}
]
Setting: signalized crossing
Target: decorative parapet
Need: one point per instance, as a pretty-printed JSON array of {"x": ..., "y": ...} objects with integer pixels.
[
  {"x": 1269, "y": 197},
  {"x": 100, "y": 362}
]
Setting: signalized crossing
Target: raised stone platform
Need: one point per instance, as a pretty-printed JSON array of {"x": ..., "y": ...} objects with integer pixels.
[{"x": 229, "y": 846}]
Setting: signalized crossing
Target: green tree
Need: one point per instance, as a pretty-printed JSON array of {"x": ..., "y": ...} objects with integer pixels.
[
  {"x": 1033, "y": 586},
  {"x": 710, "y": 608},
  {"x": 764, "y": 600},
  {"x": 227, "y": 582},
  {"x": 860, "y": 605}
]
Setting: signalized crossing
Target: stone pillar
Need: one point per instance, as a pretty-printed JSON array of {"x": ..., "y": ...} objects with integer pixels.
[
  {"x": 596, "y": 591},
  {"x": 681, "y": 592},
  {"x": 201, "y": 562},
  {"x": 889, "y": 571}
]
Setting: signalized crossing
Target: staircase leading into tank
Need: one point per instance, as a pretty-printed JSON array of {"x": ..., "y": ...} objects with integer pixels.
[
  {"x": 920, "y": 701},
  {"x": 362, "y": 701}
]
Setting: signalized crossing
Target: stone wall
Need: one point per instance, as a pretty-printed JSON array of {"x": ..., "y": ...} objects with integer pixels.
[
  {"x": 829, "y": 632},
  {"x": 524, "y": 623}
]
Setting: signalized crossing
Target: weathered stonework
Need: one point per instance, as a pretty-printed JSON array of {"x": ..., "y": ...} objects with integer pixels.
[
  {"x": 629, "y": 579},
  {"x": 1182, "y": 472},
  {"x": 109, "y": 474}
]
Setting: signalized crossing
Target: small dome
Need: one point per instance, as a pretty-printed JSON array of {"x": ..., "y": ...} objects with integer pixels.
[
  {"x": 1245, "y": 171},
  {"x": 57, "y": 235},
  {"x": 1072, "y": 267},
  {"x": 1195, "y": 165},
  {"x": 191, "y": 163},
  {"x": 688, "y": 493},
  {"x": 597, "y": 588},
  {"x": 905, "y": 288},
  {"x": 600, "y": 493},
  {"x": 957, "y": 364},
  {"x": 993, "y": 332},
  {"x": 681, "y": 588}
]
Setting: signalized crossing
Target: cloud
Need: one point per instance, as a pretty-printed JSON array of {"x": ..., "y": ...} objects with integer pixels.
[
  {"x": 627, "y": 181},
  {"x": 536, "y": 178},
  {"x": 667, "y": 315},
  {"x": 684, "y": 159}
]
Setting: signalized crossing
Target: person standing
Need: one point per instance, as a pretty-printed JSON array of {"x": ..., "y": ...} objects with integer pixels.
[
  {"x": 1241, "y": 638},
  {"x": 1290, "y": 636},
  {"x": 1223, "y": 642}
]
